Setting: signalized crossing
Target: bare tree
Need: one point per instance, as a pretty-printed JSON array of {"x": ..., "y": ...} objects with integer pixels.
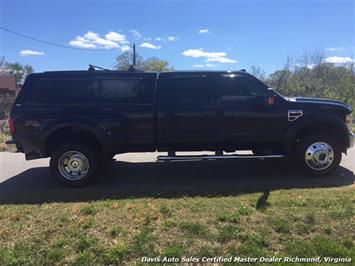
[
  {"x": 125, "y": 60},
  {"x": 257, "y": 72},
  {"x": 2, "y": 65},
  {"x": 283, "y": 75},
  {"x": 310, "y": 58}
]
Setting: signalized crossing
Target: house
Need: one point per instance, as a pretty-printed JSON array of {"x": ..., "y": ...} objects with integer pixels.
[
  {"x": 8, "y": 91},
  {"x": 8, "y": 85}
]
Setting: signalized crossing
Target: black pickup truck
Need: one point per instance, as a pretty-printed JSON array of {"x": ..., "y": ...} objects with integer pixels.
[{"x": 79, "y": 118}]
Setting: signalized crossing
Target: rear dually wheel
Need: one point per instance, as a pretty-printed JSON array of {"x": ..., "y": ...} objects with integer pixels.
[{"x": 73, "y": 164}]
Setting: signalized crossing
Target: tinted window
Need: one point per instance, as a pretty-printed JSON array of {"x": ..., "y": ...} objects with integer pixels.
[
  {"x": 64, "y": 90},
  {"x": 232, "y": 88},
  {"x": 185, "y": 90},
  {"x": 114, "y": 90},
  {"x": 82, "y": 90},
  {"x": 251, "y": 87},
  {"x": 50, "y": 90}
]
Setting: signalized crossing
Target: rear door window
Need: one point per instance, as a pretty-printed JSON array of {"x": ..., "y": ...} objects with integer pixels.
[{"x": 185, "y": 90}]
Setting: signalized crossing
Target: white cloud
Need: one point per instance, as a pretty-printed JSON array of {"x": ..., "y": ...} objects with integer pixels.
[
  {"x": 150, "y": 45},
  {"x": 92, "y": 40},
  {"x": 172, "y": 38},
  {"x": 107, "y": 44},
  {"x": 204, "y": 65},
  {"x": 220, "y": 57},
  {"x": 203, "y": 31},
  {"x": 200, "y": 53},
  {"x": 136, "y": 34},
  {"x": 339, "y": 49},
  {"x": 339, "y": 60},
  {"x": 82, "y": 43},
  {"x": 225, "y": 60},
  {"x": 125, "y": 48},
  {"x": 30, "y": 52},
  {"x": 116, "y": 37},
  {"x": 147, "y": 38},
  {"x": 310, "y": 66},
  {"x": 91, "y": 35}
]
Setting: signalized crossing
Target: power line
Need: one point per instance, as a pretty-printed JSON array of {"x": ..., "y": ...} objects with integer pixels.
[{"x": 45, "y": 42}]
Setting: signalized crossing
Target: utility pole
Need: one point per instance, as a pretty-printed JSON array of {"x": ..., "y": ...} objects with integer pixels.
[{"x": 134, "y": 55}]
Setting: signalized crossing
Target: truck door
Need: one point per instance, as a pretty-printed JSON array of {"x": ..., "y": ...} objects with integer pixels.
[
  {"x": 244, "y": 115},
  {"x": 186, "y": 113}
]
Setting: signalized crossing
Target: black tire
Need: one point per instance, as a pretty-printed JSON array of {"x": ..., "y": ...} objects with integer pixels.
[
  {"x": 79, "y": 149},
  {"x": 303, "y": 146}
]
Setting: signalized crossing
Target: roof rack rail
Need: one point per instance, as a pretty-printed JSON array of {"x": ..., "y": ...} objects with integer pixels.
[
  {"x": 243, "y": 70},
  {"x": 93, "y": 68}
]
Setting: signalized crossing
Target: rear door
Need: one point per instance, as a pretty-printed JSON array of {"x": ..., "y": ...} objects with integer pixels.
[
  {"x": 127, "y": 102},
  {"x": 186, "y": 112}
]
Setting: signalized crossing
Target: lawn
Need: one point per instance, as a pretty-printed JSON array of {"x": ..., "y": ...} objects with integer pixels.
[{"x": 297, "y": 222}]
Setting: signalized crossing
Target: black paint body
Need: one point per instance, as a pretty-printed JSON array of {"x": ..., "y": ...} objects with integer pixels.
[{"x": 172, "y": 111}]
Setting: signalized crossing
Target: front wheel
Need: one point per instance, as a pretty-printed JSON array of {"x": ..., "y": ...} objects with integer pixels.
[
  {"x": 73, "y": 164},
  {"x": 318, "y": 155}
]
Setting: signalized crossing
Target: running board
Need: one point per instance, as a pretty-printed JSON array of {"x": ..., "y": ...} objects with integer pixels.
[{"x": 216, "y": 157}]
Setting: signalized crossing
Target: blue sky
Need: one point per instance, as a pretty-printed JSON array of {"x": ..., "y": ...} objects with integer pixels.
[{"x": 189, "y": 34}]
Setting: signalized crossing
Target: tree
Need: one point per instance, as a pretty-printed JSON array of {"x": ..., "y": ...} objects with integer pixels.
[
  {"x": 125, "y": 60},
  {"x": 2, "y": 65},
  {"x": 19, "y": 71},
  {"x": 155, "y": 64},
  {"x": 28, "y": 70},
  {"x": 309, "y": 75},
  {"x": 257, "y": 72}
]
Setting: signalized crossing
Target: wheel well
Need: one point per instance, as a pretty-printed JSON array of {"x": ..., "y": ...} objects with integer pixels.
[
  {"x": 71, "y": 134},
  {"x": 323, "y": 128}
]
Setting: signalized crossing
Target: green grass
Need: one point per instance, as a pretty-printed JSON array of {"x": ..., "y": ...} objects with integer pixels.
[
  {"x": 297, "y": 222},
  {"x": 193, "y": 229},
  {"x": 6, "y": 147}
]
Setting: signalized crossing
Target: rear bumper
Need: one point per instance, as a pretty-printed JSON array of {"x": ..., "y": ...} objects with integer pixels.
[{"x": 30, "y": 150}]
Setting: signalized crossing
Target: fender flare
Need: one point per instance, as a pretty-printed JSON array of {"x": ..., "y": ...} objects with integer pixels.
[
  {"x": 309, "y": 120},
  {"x": 80, "y": 126}
]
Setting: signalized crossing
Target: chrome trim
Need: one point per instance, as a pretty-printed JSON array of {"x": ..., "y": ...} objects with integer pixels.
[
  {"x": 292, "y": 115},
  {"x": 73, "y": 165},
  {"x": 319, "y": 156},
  {"x": 214, "y": 157}
]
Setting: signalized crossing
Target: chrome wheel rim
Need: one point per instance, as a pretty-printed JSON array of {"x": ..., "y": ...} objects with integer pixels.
[
  {"x": 73, "y": 165},
  {"x": 319, "y": 156}
]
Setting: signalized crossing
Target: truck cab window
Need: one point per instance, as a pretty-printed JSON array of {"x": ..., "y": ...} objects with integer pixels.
[
  {"x": 236, "y": 89},
  {"x": 250, "y": 87},
  {"x": 185, "y": 90}
]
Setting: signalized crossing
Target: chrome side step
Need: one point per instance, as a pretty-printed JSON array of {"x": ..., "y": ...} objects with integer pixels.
[{"x": 216, "y": 157}]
